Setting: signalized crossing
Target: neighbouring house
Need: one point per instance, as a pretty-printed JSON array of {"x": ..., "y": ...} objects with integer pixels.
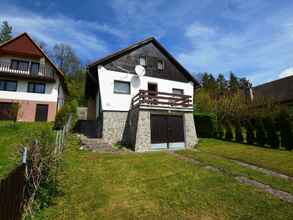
[
  {"x": 280, "y": 90},
  {"x": 144, "y": 111},
  {"x": 30, "y": 79}
]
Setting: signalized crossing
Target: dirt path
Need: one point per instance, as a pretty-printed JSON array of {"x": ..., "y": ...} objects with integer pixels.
[{"x": 285, "y": 196}]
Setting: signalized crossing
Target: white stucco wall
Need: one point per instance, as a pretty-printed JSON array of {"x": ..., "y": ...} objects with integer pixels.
[
  {"x": 121, "y": 102},
  {"x": 51, "y": 93}
]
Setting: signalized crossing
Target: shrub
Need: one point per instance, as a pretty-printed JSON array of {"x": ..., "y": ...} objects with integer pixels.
[
  {"x": 250, "y": 137},
  {"x": 205, "y": 124},
  {"x": 229, "y": 132},
  {"x": 220, "y": 130},
  {"x": 271, "y": 131},
  {"x": 238, "y": 131},
  {"x": 260, "y": 132},
  {"x": 63, "y": 114},
  {"x": 286, "y": 130}
]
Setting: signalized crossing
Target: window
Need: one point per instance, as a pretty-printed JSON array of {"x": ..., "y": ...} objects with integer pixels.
[
  {"x": 8, "y": 85},
  {"x": 35, "y": 68},
  {"x": 160, "y": 65},
  {"x": 36, "y": 87},
  {"x": 121, "y": 87},
  {"x": 142, "y": 61},
  {"x": 19, "y": 65},
  {"x": 178, "y": 91}
]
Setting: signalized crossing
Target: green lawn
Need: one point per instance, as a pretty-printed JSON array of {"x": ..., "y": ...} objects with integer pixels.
[
  {"x": 12, "y": 136},
  {"x": 154, "y": 185},
  {"x": 277, "y": 160}
]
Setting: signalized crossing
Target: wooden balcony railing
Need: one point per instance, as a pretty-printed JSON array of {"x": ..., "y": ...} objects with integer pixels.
[
  {"x": 161, "y": 100},
  {"x": 44, "y": 71}
]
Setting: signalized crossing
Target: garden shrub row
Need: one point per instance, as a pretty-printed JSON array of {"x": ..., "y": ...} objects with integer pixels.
[
  {"x": 205, "y": 124},
  {"x": 269, "y": 131}
]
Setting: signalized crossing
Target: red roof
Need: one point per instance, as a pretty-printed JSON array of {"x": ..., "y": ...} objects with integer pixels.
[{"x": 23, "y": 45}]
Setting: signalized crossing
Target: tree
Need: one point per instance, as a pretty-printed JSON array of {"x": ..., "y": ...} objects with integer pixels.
[
  {"x": 66, "y": 59},
  {"x": 221, "y": 84},
  {"x": 238, "y": 131},
  {"x": 234, "y": 85},
  {"x": 286, "y": 132},
  {"x": 250, "y": 137},
  {"x": 260, "y": 132},
  {"x": 76, "y": 86},
  {"x": 5, "y": 32},
  {"x": 272, "y": 136}
]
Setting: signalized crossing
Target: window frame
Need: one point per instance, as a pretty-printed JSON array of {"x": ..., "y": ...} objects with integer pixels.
[
  {"x": 34, "y": 87},
  {"x": 31, "y": 65},
  {"x": 123, "y": 93},
  {"x": 5, "y": 85},
  {"x": 18, "y": 64},
  {"x": 163, "y": 65},
  {"x": 145, "y": 60},
  {"x": 182, "y": 90}
]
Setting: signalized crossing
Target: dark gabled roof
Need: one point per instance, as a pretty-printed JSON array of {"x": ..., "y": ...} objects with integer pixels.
[
  {"x": 137, "y": 45},
  {"x": 281, "y": 90}
]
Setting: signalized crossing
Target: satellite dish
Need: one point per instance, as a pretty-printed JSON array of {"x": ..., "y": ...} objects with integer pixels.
[{"x": 140, "y": 70}]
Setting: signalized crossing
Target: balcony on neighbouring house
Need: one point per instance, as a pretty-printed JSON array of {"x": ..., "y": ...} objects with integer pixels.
[
  {"x": 32, "y": 71},
  {"x": 146, "y": 99}
]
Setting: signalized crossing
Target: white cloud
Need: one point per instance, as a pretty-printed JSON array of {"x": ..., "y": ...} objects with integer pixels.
[
  {"x": 286, "y": 72},
  {"x": 259, "y": 51},
  {"x": 80, "y": 34}
]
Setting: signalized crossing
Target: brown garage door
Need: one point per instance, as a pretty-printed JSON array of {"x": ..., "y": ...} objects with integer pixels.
[
  {"x": 166, "y": 131},
  {"x": 7, "y": 111}
]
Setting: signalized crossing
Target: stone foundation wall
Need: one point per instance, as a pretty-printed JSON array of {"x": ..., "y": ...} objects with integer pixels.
[
  {"x": 189, "y": 130},
  {"x": 133, "y": 128},
  {"x": 143, "y": 134},
  {"x": 113, "y": 126}
]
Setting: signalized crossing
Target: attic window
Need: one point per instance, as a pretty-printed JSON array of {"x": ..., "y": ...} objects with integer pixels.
[
  {"x": 142, "y": 61},
  {"x": 160, "y": 65}
]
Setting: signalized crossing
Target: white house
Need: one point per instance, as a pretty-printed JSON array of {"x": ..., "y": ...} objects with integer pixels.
[
  {"x": 30, "y": 79},
  {"x": 146, "y": 111}
]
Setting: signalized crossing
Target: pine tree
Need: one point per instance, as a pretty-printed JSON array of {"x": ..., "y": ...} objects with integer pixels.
[
  {"x": 221, "y": 84},
  {"x": 250, "y": 137},
  {"x": 286, "y": 132},
  {"x": 272, "y": 136},
  {"x": 5, "y": 32},
  {"x": 234, "y": 85},
  {"x": 238, "y": 131},
  {"x": 260, "y": 132}
]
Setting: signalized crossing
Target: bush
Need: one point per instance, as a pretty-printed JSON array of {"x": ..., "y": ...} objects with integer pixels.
[
  {"x": 238, "y": 131},
  {"x": 250, "y": 137},
  {"x": 272, "y": 136},
  {"x": 229, "y": 132},
  {"x": 220, "y": 130},
  {"x": 63, "y": 114},
  {"x": 260, "y": 132},
  {"x": 286, "y": 130},
  {"x": 205, "y": 124}
]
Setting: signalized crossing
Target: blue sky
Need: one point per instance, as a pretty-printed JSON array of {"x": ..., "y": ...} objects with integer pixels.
[{"x": 253, "y": 38}]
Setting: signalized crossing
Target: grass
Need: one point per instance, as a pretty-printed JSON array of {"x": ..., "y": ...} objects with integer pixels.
[
  {"x": 12, "y": 137},
  {"x": 233, "y": 169},
  {"x": 153, "y": 186},
  {"x": 277, "y": 160}
]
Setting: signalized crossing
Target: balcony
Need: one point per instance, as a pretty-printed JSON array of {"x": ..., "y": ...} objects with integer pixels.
[
  {"x": 161, "y": 100},
  {"x": 43, "y": 72}
]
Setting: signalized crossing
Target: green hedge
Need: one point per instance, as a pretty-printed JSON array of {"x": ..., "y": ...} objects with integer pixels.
[
  {"x": 63, "y": 114},
  {"x": 205, "y": 123}
]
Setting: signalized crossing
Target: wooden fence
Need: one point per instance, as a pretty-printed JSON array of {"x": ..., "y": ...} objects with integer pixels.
[
  {"x": 13, "y": 186},
  {"x": 11, "y": 194}
]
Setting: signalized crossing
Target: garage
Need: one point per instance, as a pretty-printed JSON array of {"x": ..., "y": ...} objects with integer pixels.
[
  {"x": 167, "y": 131},
  {"x": 7, "y": 111}
]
